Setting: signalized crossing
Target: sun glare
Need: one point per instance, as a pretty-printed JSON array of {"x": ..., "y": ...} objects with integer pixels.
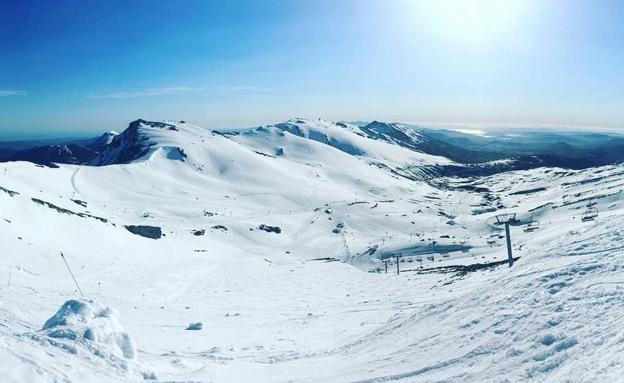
[{"x": 477, "y": 23}]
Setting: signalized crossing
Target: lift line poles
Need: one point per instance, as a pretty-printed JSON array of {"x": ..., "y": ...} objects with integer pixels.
[
  {"x": 506, "y": 219},
  {"x": 508, "y": 244},
  {"x": 72, "y": 275}
]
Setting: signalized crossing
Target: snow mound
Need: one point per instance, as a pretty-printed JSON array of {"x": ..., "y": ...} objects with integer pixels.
[{"x": 85, "y": 321}]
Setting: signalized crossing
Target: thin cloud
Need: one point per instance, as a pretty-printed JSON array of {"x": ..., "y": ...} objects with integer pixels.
[
  {"x": 149, "y": 92},
  {"x": 10, "y": 92},
  {"x": 243, "y": 90},
  {"x": 178, "y": 90}
]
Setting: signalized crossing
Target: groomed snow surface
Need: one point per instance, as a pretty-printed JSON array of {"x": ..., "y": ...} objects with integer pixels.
[{"x": 222, "y": 296}]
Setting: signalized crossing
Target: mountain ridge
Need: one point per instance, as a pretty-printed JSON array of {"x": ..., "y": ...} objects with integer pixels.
[{"x": 463, "y": 153}]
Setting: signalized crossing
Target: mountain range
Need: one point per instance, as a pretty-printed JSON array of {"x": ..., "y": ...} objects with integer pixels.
[
  {"x": 177, "y": 253},
  {"x": 472, "y": 154}
]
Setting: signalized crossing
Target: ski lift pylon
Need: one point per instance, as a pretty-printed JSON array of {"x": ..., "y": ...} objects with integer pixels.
[{"x": 505, "y": 218}]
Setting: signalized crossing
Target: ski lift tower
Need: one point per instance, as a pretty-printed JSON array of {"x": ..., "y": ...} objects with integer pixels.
[{"x": 506, "y": 219}]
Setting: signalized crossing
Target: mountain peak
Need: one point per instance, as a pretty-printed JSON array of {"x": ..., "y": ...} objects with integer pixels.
[
  {"x": 392, "y": 131},
  {"x": 136, "y": 142},
  {"x": 153, "y": 124},
  {"x": 104, "y": 140}
]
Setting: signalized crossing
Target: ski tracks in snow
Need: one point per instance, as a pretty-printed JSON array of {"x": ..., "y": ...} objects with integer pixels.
[{"x": 73, "y": 180}]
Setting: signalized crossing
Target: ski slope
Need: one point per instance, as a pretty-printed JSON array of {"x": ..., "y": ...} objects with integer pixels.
[{"x": 306, "y": 303}]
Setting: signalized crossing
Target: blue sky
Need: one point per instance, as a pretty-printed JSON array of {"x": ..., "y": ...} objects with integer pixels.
[{"x": 82, "y": 67}]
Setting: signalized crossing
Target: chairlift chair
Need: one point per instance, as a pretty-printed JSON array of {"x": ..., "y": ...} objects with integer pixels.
[
  {"x": 590, "y": 214},
  {"x": 531, "y": 226}
]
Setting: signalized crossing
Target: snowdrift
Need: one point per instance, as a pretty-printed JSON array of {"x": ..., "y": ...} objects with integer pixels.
[{"x": 90, "y": 324}]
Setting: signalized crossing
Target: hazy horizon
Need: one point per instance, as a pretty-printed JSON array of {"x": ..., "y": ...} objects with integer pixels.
[
  {"x": 80, "y": 68},
  {"x": 54, "y": 136}
]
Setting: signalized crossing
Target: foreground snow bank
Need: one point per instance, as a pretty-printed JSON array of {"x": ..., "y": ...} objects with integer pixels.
[{"x": 82, "y": 320}]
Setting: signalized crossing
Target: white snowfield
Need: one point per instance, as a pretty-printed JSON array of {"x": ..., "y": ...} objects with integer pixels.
[{"x": 272, "y": 239}]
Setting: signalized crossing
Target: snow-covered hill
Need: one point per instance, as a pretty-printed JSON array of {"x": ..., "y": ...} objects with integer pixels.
[{"x": 272, "y": 239}]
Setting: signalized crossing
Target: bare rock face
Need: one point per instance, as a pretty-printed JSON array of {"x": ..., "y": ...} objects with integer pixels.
[
  {"x": 153, "y": 232},
  {"x": 270, "y": 229}
]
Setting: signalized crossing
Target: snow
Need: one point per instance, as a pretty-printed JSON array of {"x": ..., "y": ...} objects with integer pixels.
[
  {"x": 86, "y": 320},
  {"x": 305, "y": 304}
]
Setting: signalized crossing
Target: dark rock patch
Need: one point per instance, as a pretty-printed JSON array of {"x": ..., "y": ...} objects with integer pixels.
[
  {"x": 195, "y": 326},
  {"x": 62, "y": 210},
  {"x": 528, "y": 191},
  {"x": 153, "y": 232},
  {"x": 326, "y": 259},
  {"x": 338, "y": 228},
  {"x": 79, "y": 202},
  {"x": 9, "y": 192},
  {"x": 270, "y": 229},
  {"x": 263, "y": 154},
  {"x": 356, "y": 203},
  {"x": 461, "y": 270},
  {"x": 104, "y": 220},
  {"x": 53, "y": 207}
]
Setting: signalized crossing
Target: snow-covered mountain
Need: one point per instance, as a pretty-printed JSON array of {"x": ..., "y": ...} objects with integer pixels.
[
  {"x": 138, "y": 141},
  {"x": 277, "y": 240},
  {"x": 422, "y": 140},
  {"x": 394, "y": 132},
  {"x": 104, "y": 140},
  {"x": 70, "y": 153},
  {"x": 290, "y": 137},
  {"x": 49, "y": 154},
  {"x": 486, "y": 153}
]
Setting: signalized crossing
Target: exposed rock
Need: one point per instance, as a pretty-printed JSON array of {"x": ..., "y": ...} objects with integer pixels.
[
  {"x": 153, "y": 232},
  {"x": 62, "y": 210},
  {"x": 195, "y": 326},
  {"x": 270, "y": 229},
  {"x": 79, "y": 202},
  {"x": 9, "y": 192}
]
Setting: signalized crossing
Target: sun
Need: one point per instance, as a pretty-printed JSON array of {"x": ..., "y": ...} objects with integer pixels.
[{"x": 476, "y": 23}]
